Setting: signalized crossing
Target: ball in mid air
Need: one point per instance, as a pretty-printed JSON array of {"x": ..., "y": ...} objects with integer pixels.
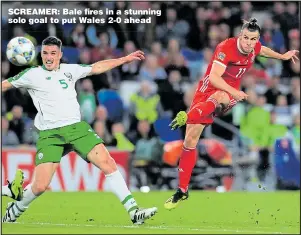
[{"x": 20, "y": 51}]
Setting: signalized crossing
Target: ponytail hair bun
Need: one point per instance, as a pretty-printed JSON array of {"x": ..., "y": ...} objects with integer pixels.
[{"x": 251, "y": 25}]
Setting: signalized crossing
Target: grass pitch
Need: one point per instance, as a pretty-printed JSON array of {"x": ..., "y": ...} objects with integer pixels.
[{"x": 204, "y": 212}]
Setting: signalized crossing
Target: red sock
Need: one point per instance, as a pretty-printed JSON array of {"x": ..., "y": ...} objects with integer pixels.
[
  {"x": 187, "y": 162},
  {"x": 202, "y": 109}
]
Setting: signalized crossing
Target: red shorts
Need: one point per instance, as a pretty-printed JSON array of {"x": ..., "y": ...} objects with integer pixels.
[{"x": 202, "y": 97}]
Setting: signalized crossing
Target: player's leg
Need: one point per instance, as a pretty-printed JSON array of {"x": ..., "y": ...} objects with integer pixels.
[
  {"x": 199, "y": 115},
  {"x": 101, "y": 158},
  {"x": 14, "y": 188},
  {"x": 187, "y": 162},
  {"x": 42, "y": 177},
  {"x": 202, "y": 109},
  {"x": 92, "y": 149},
  {"x": 206, "y": 108},
  {"x": 48, "y": 157}
]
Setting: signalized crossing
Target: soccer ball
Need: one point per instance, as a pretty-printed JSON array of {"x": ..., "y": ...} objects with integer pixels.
[{"x": 20, "y": 51}]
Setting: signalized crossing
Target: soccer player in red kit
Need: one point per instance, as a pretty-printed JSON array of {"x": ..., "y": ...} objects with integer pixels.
[{"x": 218, "y": 89}]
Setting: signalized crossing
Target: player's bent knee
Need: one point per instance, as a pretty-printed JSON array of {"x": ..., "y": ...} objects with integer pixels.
[
  {"x": 106, "y": 160},
  {"x": 221, "y": 97},
  {"x": 102, "y": 159},
  {"x": 107, "y": 165},
  {"x": 42, "y": 177},
  {"x": 190, "y": 142},
  {"x": 110, "y": 161},
  {"x": 39, "y": 187},
  {"x": 192, "y": 136}
]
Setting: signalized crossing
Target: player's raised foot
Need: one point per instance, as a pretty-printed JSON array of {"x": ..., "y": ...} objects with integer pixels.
[
  {"x": 179, "y": 120},
  {"x": 140, "y": 215},
  {"x": 16, "y": 186},
  {"x": 12, "y": 213},
  {"x": 175, "y": 199}
]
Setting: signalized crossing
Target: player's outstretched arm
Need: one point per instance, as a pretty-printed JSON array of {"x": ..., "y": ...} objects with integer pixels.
[
  {"x": 268, "y": 52},
  {"x": 105, "y": 65},
  {"x": 6, "y": 85}
]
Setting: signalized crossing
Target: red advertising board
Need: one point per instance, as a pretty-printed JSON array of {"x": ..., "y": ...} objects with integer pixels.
[{"x": 73, "y": 174}]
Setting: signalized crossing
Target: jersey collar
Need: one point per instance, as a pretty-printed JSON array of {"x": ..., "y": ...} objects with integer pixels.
[
  {"x": 43, "y": 67},
  {"x": 238, "y": 47}
]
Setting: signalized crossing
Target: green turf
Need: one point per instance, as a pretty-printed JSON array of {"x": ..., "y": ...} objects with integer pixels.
[{"x": 204, "y": 212}]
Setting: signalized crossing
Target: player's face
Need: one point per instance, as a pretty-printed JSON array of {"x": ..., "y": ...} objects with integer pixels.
[
  {"x": 248, "y": 40},
  {"x": 51, "y": 55}
]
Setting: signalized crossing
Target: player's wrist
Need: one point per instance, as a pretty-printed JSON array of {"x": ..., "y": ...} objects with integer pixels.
[
  {"x": 124, "y": 59},
  {"x": 232, "y": 90},
  {"x": 281, "y": 57}
]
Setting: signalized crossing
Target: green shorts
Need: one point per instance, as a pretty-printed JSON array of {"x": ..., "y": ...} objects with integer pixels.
[{"x": 53, "y": 144}]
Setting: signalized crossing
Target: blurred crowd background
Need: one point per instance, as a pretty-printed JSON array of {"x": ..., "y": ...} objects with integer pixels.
[{"x": 130, "y": 106}]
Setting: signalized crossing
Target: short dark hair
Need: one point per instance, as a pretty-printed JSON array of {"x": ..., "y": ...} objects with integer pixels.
[
  {"x": 251, "y": 25},
  {"x": 51, "y": 40}
]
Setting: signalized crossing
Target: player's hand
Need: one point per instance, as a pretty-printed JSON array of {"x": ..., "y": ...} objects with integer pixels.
[
  {"x": 291, "y": 55},
  {"x": 137, "y": 55},
  {"x": 239, "y": 95}
]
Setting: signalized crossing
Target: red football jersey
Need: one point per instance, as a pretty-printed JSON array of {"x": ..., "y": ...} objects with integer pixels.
[{"x": 237, "y": 64}]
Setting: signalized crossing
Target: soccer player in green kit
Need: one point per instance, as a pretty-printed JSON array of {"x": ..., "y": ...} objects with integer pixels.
[{"x": 52, "y": 89}]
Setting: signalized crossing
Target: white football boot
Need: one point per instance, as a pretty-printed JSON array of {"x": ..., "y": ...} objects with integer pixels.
[
  {"x": 140, "y": 215},
  {"x": 12, "y": 213}
]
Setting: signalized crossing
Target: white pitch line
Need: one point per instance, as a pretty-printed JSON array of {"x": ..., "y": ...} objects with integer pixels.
[{"x": 151, "y": 227}]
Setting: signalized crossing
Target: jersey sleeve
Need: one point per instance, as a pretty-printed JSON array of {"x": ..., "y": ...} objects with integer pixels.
[
  {"x": 222, "y": 55},
  {"x": 82, "y": 70},
  {"x": 22, "y": 79},
  {"x": 257, "y": 48}
]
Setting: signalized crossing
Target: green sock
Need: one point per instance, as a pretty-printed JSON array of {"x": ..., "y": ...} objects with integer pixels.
[
  {"x": 129, "y": 203},
  {"x": 120, "y": 189}
]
